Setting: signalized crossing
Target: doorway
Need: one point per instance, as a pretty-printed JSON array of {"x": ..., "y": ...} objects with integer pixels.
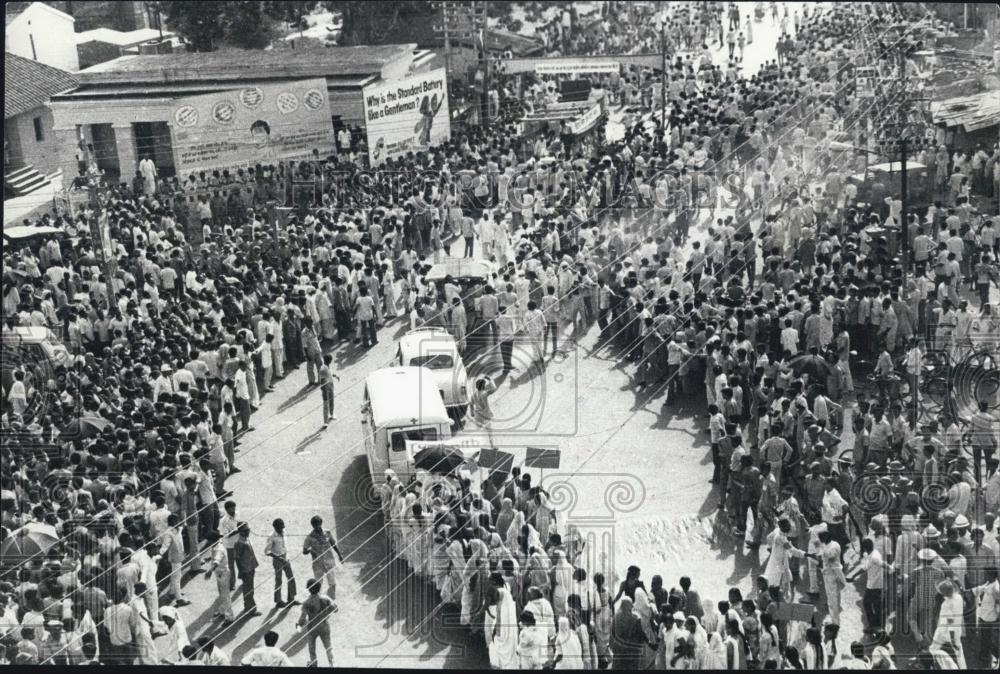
[
  {"x": 153, "y": 141},
  {"x": 105, "y": 150}
]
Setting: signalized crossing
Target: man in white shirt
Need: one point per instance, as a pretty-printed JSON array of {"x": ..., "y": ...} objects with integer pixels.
[
  {"x": 988, "y": 616},
  {"x": 875, "y": 569},
  {"x": 949, "y": 629},
  {"x": 790, "y": 338},
  {"x": 833, "y": 573},
  {"x": 210, "y": 655},
  {"x": 834, "y": 510},
  {"x": 268, "y": 655},
  {"x": 228, "y": 524},
  {"x": 243, "y": 396},
  {"x": 164, "y": 383}
]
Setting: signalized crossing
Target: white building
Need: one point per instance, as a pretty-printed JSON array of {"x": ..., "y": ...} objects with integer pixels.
[{"x": 42, "y": 33}]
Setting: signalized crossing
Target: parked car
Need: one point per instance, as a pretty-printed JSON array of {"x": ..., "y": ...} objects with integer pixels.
[
  {"x": 36, "y": 349},
  {"x": 436, "y": 350}
]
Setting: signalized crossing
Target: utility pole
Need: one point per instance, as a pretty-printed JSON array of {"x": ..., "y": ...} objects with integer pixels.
[
  {"x": 487, "y": 75},
  {"x": 447, "y": 42},
  {"x": 663, "y": 75},
  {"x": 904, "y": 225},
  {"x": 98, "y": 226}
]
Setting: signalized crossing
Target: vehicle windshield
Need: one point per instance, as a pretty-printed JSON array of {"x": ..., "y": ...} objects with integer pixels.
[
  {"x": 425, "y": 434},
  {"x": 437, "y": 361}
]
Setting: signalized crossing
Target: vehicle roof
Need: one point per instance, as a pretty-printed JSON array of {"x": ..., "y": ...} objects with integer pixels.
[
  {"x": 438, "y": 339},
  {"x": 30, "y": 333},
  {"x": 405, "y": 396},
  {"x": 457, "y": 267}
]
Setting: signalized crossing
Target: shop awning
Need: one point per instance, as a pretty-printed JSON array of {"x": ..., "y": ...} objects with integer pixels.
[{"x": 979, "y": 111}]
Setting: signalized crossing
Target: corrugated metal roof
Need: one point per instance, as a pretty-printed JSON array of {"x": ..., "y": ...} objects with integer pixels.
[
  {"x": 240, "y": 64},
  {"x": 120, "y": 38},
  {"x": 975, "y": 112},
  {"x": 28, "y": 84},
  {"x": 168, "y": 90}
]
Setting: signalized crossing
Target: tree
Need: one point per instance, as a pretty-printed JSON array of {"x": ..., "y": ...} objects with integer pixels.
[
  {"x": 210, "y": 24},
  {"x": 385, "y": 22},
  {"x": 199, "y": 23},
  {"x": 247, "y": 25},
  {"x": 292, "y": 12}
]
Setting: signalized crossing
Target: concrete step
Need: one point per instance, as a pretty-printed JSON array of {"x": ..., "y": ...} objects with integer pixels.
[
  {"x": 25, "y": 181},
  {"x": 19, "y": 173}
]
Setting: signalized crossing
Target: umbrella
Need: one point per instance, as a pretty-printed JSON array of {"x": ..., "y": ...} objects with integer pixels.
[
  {"x": 815, "y": 366},
  {"x": 32, "y": 541},
  {"x": 438, "y": 459},
  {"x": 86, "y": 427}
]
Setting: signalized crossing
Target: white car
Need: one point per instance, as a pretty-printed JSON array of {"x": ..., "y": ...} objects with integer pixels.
[{"x": 435, "y": 349}]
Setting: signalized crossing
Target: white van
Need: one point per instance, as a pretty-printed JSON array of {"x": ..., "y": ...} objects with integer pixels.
[{"x": 400, "y": 404}]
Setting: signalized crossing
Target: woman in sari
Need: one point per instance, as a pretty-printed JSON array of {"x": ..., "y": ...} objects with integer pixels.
[
  {"x": 603, "y": 619},
  {"x": 578, "y": 623},
  {"x": 532, "y": 643},
  {"x": 627, "y": 637},
  {"x": 410, "y": 532},
  {"x": 539, "y": 572},
  {"x": 451, "y": 592},
  {"x": 505, "y": 517},
  {"x": 568, "y": 649},
  {"x": 397, "y": 519},
  {"x": 644, "y": 609},
  {"x": 473, "y": 591},
  {"x": 441, "y": 561},
  {"x": 541, "y": 608},
  {"x": 544, "y": 516},
  {"x": 500, "y": 626},
  {"x": 562, "y": 581},
  {"x": 497, "y": 551},
  {"x": 512, "y": 577}
]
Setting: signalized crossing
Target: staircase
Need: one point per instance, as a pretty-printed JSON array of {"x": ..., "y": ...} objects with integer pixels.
[{"x": 23, "y": 181}]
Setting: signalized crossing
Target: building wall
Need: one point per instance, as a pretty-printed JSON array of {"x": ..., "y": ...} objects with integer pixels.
[
  {"x": 44, "y": 35},
  {"x": 42, "y": 155}
]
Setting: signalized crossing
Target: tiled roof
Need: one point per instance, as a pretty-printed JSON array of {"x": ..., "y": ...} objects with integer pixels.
[{"x": 28, "y": 84}]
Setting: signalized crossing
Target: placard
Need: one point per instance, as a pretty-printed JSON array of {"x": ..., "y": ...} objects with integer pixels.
[
  {"x": 536, "y": 457},
  {"x": 495, "y": 461},
  {"x": 261, "y": 124},
  {"x": 792, "y": 611},
  {"x": 406, "y": 115}
]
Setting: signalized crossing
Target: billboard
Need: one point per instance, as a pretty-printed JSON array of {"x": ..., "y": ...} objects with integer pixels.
[
  {"x": 406, "y": 115},
  {"x": 253, "y": 125}
]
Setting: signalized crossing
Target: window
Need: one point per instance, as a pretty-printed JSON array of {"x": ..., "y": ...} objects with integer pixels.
[
  {"x": 39, "y": 133},
  {"x": 426, "y": 434},
  {"x": 438, "y": 361}
]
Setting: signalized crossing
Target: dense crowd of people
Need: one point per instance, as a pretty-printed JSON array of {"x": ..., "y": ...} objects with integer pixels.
[{"x": 121, "y": 453}]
